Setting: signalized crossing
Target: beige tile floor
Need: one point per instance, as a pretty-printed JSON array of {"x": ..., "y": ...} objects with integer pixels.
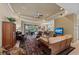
[{"x": 76, "y": 50}]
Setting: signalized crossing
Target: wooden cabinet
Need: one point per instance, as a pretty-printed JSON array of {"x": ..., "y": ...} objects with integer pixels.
[{"x": 8, "y": 34}]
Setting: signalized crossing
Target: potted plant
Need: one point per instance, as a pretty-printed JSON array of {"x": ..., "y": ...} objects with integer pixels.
[{"x": 11, "y": 19}]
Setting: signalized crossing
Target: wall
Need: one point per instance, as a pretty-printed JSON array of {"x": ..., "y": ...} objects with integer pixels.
[
  {"x": 4, "y": 12},
  {"x": 76, "y": 28},
  {"x": 0, "y": 33},
  {"x": 68, "y": 24}
]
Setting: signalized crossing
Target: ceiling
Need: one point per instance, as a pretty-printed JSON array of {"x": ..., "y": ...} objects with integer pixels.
[
  {"x": 71, "y": 7},
  {"x": 44, "y": 10}
]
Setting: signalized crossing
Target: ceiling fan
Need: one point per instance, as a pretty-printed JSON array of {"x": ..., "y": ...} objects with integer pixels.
[{"x": 37, "y": 15}]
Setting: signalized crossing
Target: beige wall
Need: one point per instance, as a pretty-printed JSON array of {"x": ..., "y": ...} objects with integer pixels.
[
  {"x": 68, "y": 24},
  {"x": 0, "y": 33},
  {"x": 4, "y": 12},
  {"x": 76, "y": 28}
]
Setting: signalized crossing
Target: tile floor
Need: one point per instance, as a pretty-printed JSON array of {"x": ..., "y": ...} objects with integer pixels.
[{"x": 76, "y": 50}]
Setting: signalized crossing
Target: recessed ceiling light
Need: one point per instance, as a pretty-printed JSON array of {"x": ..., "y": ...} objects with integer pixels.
[{"x": 61, "y": 8}]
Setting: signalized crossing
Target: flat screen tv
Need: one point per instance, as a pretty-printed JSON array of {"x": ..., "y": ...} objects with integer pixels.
[{"x": 59, "y": 31}]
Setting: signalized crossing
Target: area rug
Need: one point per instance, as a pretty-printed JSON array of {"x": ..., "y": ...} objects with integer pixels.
[
  {"x": 66, "y": 51},
  {"x": 31, "y": 46}
]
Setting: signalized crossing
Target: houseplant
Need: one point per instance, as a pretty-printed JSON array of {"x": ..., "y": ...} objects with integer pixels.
[{"x": 11, "y": 19}]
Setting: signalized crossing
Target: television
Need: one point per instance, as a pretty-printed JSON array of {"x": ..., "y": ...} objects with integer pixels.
[{"x": 59, "y": 31}]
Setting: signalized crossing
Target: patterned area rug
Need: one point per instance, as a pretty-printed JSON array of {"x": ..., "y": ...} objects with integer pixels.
[{"x": 31, "y": 46}]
